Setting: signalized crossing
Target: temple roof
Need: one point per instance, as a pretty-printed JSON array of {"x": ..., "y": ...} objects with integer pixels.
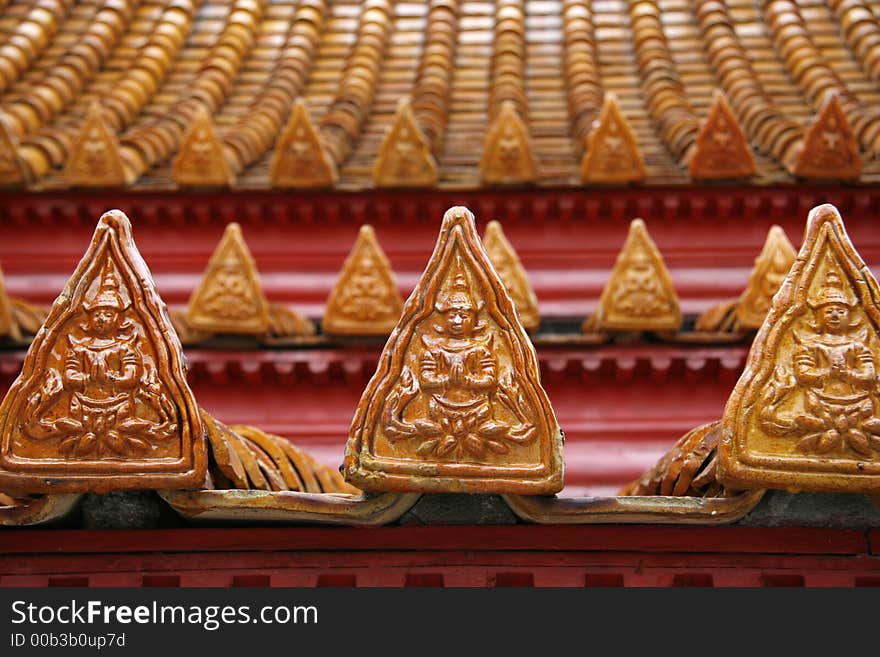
[{"x": 153, "y": 67}]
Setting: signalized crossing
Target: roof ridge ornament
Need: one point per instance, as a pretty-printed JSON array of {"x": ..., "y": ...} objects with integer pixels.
[
  {"x": 200, "y": 160},
  {"x": 456, "y": 403},
  {"x": 300, "y": 159},
  {"x": 365, "y": 299},
  {"x": 229, "y": 298},
  {"x": 639, "y": 295},
  {"x": 508, "y": 158},
  {"x": 721, "y": 149},
  {"x": 804, "y": 413},
  {"x": 771, "y": 267},
  {"x": 94, "y": 159},
  {"x": 748, "y": 310},
  {"x": 405, "y": 158},
  {"x": 102, "y": 401},
  {"x": 509, "y": 267},
  {"x": 612, "y": 154},
  {"x": 829, "y": 148},
  {"x": 12, "y": 169}
]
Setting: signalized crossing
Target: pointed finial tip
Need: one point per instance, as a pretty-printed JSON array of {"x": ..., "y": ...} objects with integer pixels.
[
  {"x": 638, "y": 222},
  {"x": 493, "y": 225},
  {"x": 115, "y": 219},
  {"x": 826, "y": 210},
  {"x": 458, "y": 214},
  {"x": 823, "y": 213},
  {"x": 366, "y": 230}
]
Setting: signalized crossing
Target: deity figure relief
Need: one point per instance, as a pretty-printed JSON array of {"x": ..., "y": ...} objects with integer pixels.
[
  {"x": 613, "y": 154},
  {"x": 639, "y": 292},
  {"x": 834, "y": 368},
  {"x": 509, "y": 150},
  {"x": 830, "y": 151},
  {"x": 229, "y": 292},
  {"x": 201, "y": 149},
  {"x": 300, "y": 151},
  {"x": 460, "y": 378},
  {"x": 366, "y": 296},
  {"x": 95, "y": 152},
  {"x": 104, "y": 399}
]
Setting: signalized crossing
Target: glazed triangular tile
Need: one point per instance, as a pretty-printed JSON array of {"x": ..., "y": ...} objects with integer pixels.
[
  {"x": 229, "y": 298},
  {"x": 405, "y": 158},
  {"x": 365, "y": 299},
  {"x": 612, "y": 154},
  {"x": 513, "y": 275},
  {"x": 456, "y": 403},
  {"x": 300, "y": 159},
  {"x": 639, "y": 295},
  {"x": 94, "y": 159},
  {"x": 804, "y": 413},
  {"x": 102, "y": 401}
]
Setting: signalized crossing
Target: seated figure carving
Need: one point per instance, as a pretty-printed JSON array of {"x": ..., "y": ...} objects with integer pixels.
[
  {"x": 105, "y": 385},
  {"x": 456, "y": 404},
  {"x": 459, "y": 373},
  {"x": 366, "y": 297},
  {"x": 837, "y": 373}
]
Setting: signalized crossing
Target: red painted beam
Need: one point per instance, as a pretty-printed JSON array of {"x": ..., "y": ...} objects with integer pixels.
[{"x": 643, "y": 539}]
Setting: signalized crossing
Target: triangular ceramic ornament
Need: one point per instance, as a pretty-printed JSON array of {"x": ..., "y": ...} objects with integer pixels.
[
  {"x": 829, "y": 149},
  {"x": 12, "y": 171},
  {"x": 507, "y": 151},
  {"x": 7, "y": 324},
  {"x": 230, "y": 298},
  {"x": 200, "y": 161},
  {"x": 456, "y": 403},
  {"x": 805, "y": 414},
  {"x": 513, "y": 275},
  {"x": 94, "y": 159},
  {"x": 721, "y": 150},
  {"x": 771, "y": 268},
  {"x": 612, "y": 154},
  {"x": 102, "y": 401},
  {"x": 365, "y": 299},
  {"x": 639, "y": 295},
  {"x": 300, "y": 159},
  {"x": 405, "y": 158}
]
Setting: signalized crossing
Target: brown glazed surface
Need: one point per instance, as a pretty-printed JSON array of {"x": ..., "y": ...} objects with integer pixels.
[
  {"x": 456, "y": 404},
  {"x": 300, "y": 159},
  {"x": 804, "y": 414},
  {"x": 830, "y": 149},
  {"x": 365, "y": 300},
  {"x": 721, "y": 149},
  {"x": 102, "y": 401},
  {"x": 94, "y": 159},
  {"x": 612, "y": 154},
  {"x": 771, "y": 267},
  {"x": 507, "y": 153},
  {"x": 405, "y": 158},
  {"x": 229, "y": 298},
  {"x": 639, "y": 295},
  {"x": 513, "y": 275},
  {"x": 200, "y": 160}
]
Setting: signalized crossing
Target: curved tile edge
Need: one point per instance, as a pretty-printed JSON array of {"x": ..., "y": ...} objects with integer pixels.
[
  {"x": 632, "y": 510},
  {"x": 290, "y": 506}
]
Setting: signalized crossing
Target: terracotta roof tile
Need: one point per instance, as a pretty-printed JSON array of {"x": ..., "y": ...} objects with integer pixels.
[{"x": 152, "y": 64}]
